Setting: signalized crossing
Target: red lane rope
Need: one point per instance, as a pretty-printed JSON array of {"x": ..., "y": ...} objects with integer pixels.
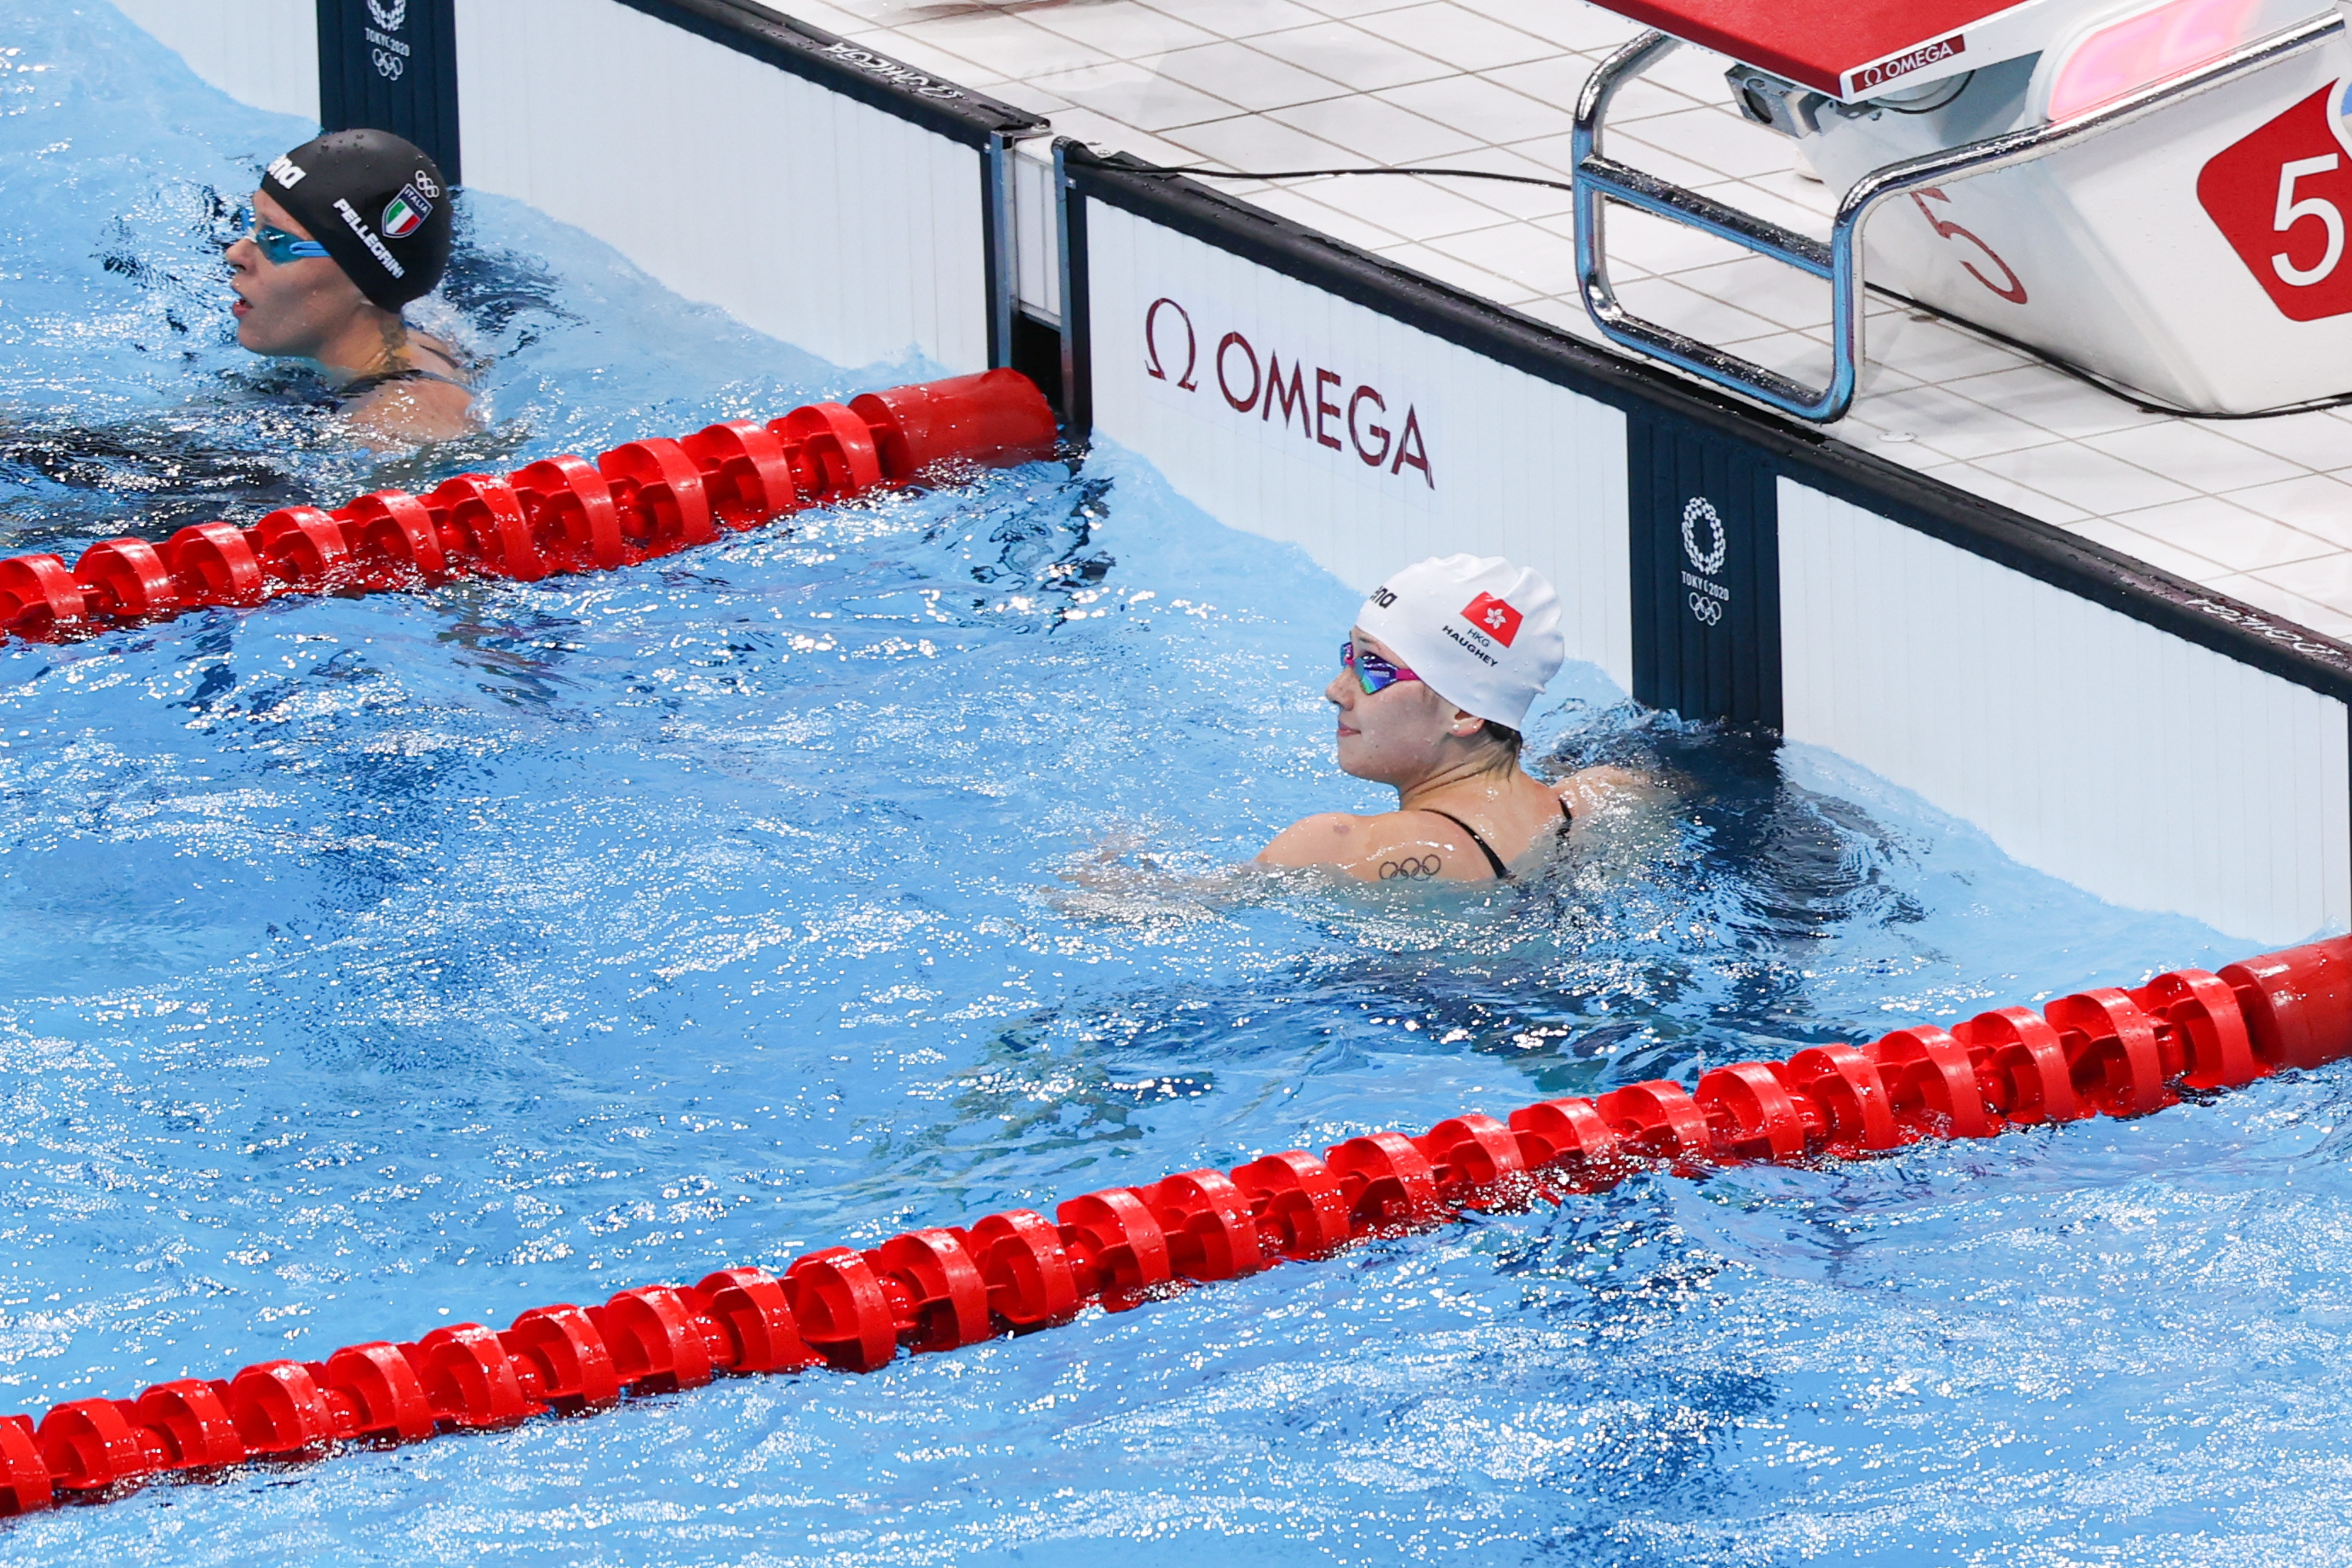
[
  {"x": 560, "y": 515},
  {"x": 2110, "y": 1052}
]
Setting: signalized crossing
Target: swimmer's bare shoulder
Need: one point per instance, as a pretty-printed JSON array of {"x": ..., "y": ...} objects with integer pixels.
[
  {"x": 412, "y": 412},
  {"x": 409, "y": 413},
  {"x": 1414, "y": 845}
]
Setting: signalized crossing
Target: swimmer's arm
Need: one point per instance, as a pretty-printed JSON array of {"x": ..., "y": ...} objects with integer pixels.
[{"x": 1373, "y": 849}]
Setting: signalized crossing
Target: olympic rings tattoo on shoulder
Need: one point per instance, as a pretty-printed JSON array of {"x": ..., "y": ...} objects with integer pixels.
[{"x": 1417, "y": 867}]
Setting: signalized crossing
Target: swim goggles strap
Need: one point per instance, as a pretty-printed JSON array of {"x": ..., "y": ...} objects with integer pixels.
[{"x": 281, "y": 247}]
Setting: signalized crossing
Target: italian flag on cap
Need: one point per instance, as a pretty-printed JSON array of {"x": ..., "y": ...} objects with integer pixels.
[{"x": 405, "y": 215}]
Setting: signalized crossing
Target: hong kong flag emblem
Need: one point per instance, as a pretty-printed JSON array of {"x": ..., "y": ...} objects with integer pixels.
[{"x": 1493, "y": 617}]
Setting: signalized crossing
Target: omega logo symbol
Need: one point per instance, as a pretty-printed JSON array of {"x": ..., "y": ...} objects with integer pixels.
[{"x": 1707, "y": 597}]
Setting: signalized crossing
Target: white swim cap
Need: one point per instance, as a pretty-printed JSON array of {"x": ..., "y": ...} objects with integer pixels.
[{"x": 1480, "y": 632}]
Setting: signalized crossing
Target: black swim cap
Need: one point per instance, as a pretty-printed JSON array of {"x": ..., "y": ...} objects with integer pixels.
[{"x": 377, "y": 203}]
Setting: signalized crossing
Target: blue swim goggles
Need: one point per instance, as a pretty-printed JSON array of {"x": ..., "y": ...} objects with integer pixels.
[
  {"x": 281, "y": 247},
  {"x": 1374, "y": 674}
]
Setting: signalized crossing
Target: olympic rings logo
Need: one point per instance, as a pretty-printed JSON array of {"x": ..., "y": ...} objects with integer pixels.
[
  {"x": 1705, "y": 610},
  {"x": 389, "y": 66},
  {"x": 1710, "y": 559},
  {"x": 1418, "y": 867}
]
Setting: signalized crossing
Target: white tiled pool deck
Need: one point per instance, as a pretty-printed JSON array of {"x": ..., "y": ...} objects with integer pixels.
[{"x": 2260, "y": 509}]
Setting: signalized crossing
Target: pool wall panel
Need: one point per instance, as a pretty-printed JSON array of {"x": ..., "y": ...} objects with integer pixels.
[
  {"x": 2160, "y": 743},
  {"x": 393, "y": 68},
  {"x": 1515, "y": 466},
  {"x": 805, "y": 213},
  {"x": 261, "y": 52},
  {"x": 1706, "y": 572},
  {"x": 2153, "y": 772}
]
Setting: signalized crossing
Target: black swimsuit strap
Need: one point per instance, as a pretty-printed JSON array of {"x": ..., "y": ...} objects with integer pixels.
[
  {"x": 1502, "y": 871},
  {"x": 359, "y": 386}
]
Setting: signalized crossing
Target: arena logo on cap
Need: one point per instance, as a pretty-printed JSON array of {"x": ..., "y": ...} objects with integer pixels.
[
  {"x": 1495, "y": 617},
  {"x": 406, "y": 213}
]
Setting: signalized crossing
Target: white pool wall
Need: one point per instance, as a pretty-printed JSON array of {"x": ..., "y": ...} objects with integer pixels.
[
  {"x": 810, "y": 216},
  {"x": 2158, "y": 745},
  {"x": 261, "y": 52}
]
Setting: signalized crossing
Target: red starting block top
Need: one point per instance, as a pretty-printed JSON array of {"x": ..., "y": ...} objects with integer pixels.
[{"x": 1847, "y": 49}]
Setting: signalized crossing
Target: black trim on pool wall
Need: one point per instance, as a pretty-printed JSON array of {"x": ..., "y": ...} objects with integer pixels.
[
  {"x": 1077, "y": 303},
  {"x": 2037, "y": 549},
  {"x": 851, "y": 69},
  {"x": 995, "y": 223},
  {"x": 392, "y": 66},
  {"x": 1704, "y": 520}
]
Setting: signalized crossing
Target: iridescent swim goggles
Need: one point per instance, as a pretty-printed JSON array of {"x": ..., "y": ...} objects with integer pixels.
[{"x": 1374, "y": 674}]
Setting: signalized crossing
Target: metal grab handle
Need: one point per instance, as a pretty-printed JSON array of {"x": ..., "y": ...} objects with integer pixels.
[{"x": 1599, "y": 180}]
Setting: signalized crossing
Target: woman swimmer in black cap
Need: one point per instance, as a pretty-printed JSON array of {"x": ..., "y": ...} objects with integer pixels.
[{"x": 347, "y": 229}]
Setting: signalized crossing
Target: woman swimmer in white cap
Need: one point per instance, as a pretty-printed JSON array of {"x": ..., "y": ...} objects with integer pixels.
[{"x": 1437, "y": 676}]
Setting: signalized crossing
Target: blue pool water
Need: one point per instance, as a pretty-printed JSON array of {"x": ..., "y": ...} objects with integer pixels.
[{"x": 372, "y": 965}]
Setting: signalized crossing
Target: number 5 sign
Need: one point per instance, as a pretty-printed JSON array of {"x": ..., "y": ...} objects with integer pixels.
[{"x": 2280, "y": 197}]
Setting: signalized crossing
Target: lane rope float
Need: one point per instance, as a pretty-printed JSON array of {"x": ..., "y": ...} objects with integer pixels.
[
  {"x": 2109, "y": 1051},
  {"x": 639, "y": 501}
]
